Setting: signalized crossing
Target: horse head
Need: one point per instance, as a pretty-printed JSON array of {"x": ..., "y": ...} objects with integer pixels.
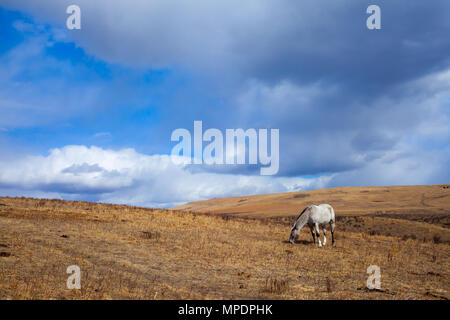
[{"x": 293, "y": 235}]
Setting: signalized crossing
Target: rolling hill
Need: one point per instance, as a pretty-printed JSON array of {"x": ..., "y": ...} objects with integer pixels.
[
  {"x": 347, "y": 201},
  {"x": 404, "y": 211},
  {"x": 139, "y": 253}
]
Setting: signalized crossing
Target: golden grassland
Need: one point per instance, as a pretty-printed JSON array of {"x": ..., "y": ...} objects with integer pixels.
[
  {"x": 347, "y": 201},
  {"x": 420, "y": 212},
  {"x": 137, "y": 253}
]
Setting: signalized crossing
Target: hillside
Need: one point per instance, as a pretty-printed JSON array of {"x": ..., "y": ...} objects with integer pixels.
[
  {"x": 346, "y": 201},
  {"x": 137, "y": 253},
  {"x": 405, "y": 211}
]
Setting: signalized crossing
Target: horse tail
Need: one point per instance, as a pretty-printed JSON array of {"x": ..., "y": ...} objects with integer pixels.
[
  {"x": 333, "y": 215},
  {"x": 332, "y": 224}
]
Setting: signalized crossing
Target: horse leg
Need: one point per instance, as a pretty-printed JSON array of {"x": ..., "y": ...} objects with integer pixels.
[
  {"x": 324, "y": 236},
  {"x": 332, "y": 223},
  {"x": 313, "y": 235},
  {"x": 318, "y": 235}
]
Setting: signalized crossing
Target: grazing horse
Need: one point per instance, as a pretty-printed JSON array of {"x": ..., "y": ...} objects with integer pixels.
[{"x": 315, "y": 216}]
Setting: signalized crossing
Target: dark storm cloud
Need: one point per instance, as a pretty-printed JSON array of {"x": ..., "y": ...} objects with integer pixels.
[
  {"x": 268, "y": 40},
  {"x": 330, "y": 42}
]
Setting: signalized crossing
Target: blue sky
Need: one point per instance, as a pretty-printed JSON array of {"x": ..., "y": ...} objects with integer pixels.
[{"x": 88, "y": 114}]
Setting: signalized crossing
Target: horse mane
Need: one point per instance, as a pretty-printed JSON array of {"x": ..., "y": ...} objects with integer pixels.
[{"x": 302, "y": 218}]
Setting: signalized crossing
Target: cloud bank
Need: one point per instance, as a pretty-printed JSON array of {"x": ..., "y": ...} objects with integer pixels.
[{"x": 126, "y": 176}]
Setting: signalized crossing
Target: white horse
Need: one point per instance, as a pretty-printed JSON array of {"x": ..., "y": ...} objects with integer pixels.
[{"x": 315, "y": 216}]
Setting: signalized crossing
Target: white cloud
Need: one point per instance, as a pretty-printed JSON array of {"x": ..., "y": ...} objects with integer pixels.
[
  {"x": 398, "y": 167},
  {"x": 322, "y": 129},
  {"x": 126, "y": 176}
]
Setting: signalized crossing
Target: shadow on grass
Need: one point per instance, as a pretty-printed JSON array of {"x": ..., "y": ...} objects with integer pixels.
[{"x": 302, "y": 242}]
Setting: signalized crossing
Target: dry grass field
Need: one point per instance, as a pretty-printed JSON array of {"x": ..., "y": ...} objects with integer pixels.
[
  {"x": 421, "y": 212},
  {"x": 348, "y": 201},
  {"x": 137, "y": 253}
]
